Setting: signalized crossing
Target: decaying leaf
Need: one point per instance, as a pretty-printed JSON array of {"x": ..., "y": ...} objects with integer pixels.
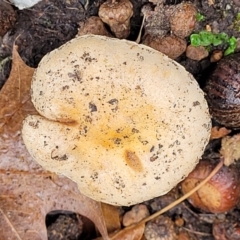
[
  {"x": 230, "y": 149},
  {"x": 27, "y": 192},
  {"x": 112, "y": 217},
  {"x": 134, "y": 232},
  {"x": 219, "y": 132}
]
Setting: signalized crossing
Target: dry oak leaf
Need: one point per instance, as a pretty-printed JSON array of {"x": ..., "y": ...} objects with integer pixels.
[
  {"x": 134, "y": 232},
  {"x": 230, "y": 149},
  {"x": 112, "y": 217},
  {"x": 27, "y": 192},
  {"x": 219, "y": 132}
]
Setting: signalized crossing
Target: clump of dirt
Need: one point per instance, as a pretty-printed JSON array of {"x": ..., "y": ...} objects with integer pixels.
[{"x": 40, "y": 29}]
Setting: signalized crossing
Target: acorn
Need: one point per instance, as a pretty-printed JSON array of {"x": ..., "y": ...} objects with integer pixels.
[
  {"x": 220, "y": 194},
  {"x": 223, "y": 91}
]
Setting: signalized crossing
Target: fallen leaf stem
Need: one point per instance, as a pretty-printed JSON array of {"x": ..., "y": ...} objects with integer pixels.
[{"x": 140, "y": 31}]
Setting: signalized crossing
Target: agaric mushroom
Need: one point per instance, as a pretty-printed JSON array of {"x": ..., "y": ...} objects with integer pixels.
[{"x": 122, "y": 120}]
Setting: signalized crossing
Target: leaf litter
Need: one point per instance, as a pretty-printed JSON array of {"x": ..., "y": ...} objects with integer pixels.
[{"x": 27, "y": 192}]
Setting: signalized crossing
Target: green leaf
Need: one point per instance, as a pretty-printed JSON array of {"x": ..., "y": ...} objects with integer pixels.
[
  {"x": 232, "y": 42},
  {"x": 238, "y": 17},
  {"x": 200, "y": 17},
  {"x": 216, "y": 40},
  {"x": 206, "y": 39},
  {"x": 195, "y": 40}
]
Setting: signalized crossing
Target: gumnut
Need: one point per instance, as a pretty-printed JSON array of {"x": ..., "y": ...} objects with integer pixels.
[
  {"x": 117, "y": 15},
  {"x": 183, "y": 19},
  {"x": 93, "y": 25},
  {"x": 172, "y": 46}
]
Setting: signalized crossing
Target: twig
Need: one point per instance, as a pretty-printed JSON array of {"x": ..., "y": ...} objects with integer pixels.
[
  {"x": 196, "y": 232},
  {"x": 140, "y": 31}
]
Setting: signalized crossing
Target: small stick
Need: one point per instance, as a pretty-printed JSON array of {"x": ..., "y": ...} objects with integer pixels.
[{"x": 140, "y": 31}]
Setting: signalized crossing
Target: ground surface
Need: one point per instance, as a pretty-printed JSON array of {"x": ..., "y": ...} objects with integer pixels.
[{"x": 51, "y": 23}]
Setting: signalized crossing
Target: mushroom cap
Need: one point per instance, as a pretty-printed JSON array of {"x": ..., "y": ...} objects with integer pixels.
[{"x": 122, "y": 120}]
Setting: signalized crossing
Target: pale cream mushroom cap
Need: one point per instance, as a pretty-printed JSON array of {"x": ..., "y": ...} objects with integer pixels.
[{"x": 123, "y": 121}]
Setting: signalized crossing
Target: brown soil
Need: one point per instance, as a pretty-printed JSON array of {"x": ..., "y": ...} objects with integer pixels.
[{"x": 51, "y": 23}]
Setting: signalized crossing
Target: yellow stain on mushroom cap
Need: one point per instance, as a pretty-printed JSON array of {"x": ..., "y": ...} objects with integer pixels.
[{"x": 133, "y": 160}]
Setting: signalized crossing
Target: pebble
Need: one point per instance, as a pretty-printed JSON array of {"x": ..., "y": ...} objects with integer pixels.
[{"x": 135, "y": 215}]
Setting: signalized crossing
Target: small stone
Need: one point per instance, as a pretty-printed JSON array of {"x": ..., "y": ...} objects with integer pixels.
[
  {"x": 93, "y": 25},
  {"x": 160, "y": 228},
  {"x": 156, "y": 21},
  {"x": 135, "y": 215},
  {"x": 183, "y": 235},
  {"x": 172, "y": 46},
  {"x": 67, "y": 226},
  {"x": 183, "y": 19},
  {"x": 179, "y": 222},
  {"x": 196, "y": 53},
  {"x": 216, "y": 56}
]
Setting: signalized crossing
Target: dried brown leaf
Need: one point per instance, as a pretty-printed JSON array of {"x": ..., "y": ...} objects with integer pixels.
[
  {"x": 134, "y": 232},
  {"x": 219, "y": 132},
  {"x": 230, "y": 149},
  {"x": 27, "y": 192},
  {"x": 112, "y": 217}
]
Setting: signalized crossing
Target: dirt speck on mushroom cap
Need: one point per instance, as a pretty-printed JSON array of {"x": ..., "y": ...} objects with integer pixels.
[{"x": 123, "y": 121}]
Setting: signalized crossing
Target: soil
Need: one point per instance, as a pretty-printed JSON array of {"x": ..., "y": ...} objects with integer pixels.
[{"x": 50, "y": 23}]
